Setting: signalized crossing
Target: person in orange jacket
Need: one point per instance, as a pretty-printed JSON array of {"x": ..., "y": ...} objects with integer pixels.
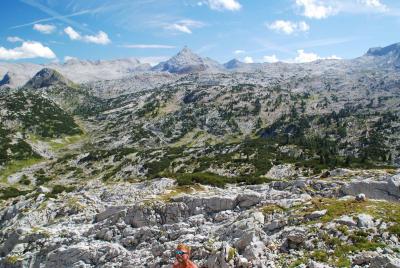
[{"x": 182, "y": 255}]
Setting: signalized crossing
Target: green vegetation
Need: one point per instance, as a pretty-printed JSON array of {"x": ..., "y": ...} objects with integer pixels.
[
  {"x": 41, "y": 177},
  {"x": 295, "y": 130},
  {"x": 360, "y": 240},
  {"x": 13, "y": 259},
  {"x": 16, "y": 166},
  {"x": 166, "y": 197},
  {"x": 341, "y": 250},
  {"x": 202, "y": 178},
  {"x": 395, "y": 229},
  {"x": 388, "y": 211},
  {"x": 73, "y": 203},
  {"x": 24, "y": 180},
  {"x": 271, "y": 209},
  {"x": 231, "y": 254},
  {"x": 39, "y": 115},
  {"x": 320, "y": 256},
  {"x": 65, "y": 141},
  {"x": 58, "y": 189},
  {"x": 16, "y": 150},
  {"x": 214, "y": 179},
  {"x": 11, "y": 192}
]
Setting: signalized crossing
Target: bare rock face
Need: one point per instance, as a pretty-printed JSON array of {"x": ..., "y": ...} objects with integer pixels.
[
  {"x": 388, "y": 189},
  {"x": 281, "y": 172},
  {"x": 385, "y": 261}
]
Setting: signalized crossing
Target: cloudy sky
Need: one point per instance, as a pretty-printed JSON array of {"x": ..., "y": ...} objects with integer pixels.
[{"x": 152, "y": 30}]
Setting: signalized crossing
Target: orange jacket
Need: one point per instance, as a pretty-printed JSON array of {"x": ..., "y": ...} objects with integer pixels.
[{"x": 188, "y": 264}]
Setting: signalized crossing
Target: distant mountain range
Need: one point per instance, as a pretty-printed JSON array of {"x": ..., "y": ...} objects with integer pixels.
[
  {"x": 17, "y": 74},
  {"x": 79, "y": 71}
]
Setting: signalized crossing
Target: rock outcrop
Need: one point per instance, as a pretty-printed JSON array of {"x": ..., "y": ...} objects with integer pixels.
[{"x": 388, "y": 189}]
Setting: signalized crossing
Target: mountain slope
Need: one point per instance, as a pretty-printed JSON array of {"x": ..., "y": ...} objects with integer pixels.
[
  {"x": 23, "y": 114},
  {"x": 71, "y": 97}
]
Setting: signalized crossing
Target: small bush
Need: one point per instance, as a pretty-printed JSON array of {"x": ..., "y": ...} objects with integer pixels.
[
  {"x": 202, "y": 178},
  {"x": 58, "y": 189},
  {"x": 24, "y": 180},
  {"x": 395, "y": 229},
  {"x": 320, "y": 256},
  {"x": 11, "y": 192}
]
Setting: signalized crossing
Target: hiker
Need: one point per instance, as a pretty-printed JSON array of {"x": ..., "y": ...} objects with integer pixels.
[{"x": 182, "y": 255}]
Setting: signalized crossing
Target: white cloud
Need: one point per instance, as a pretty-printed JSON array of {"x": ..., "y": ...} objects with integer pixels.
[
  {"x": 44, "y": 28},
  {"x": 376, "y": 4},
  {"x": 270, "y": 59},
  {"x": 309, "y": 57},
  {"x": 184, "y": 26},
  {"x": 239, "y": 51},
  {"x": 289, "y": 27},
  {"x": 305, "y": 57},
  {"x": 101, "y": 38},
  {"x": 14, "y": 39},
  {"x": 153, "y": 60},
  {"x": 248, "y": 60},
  {"x": 180, "y": 28},
  {"x": 68, "y": 58},
  {"x": 72, "y": 34},
  {"x": 220, "y": 5},
  {"x": 28, "y": 50},
  {"x": 144, "y": 46},
  {"x": 315, "y": 9}
]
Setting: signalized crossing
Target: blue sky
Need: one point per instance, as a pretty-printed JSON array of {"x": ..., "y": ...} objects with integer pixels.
[{"x": 153, "y": 30}]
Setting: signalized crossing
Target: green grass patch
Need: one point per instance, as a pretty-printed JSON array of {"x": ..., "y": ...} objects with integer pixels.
[
  {"x": 320, "y": 256},
  {"x": 395, "y": 229},
  {"x": 16, "y": 166},
  {"x": 59, "y": 144},
  {"x": 186, "y": 189},
  {"x": 271, "y": 209},
  {"x": 388, "y": 211}
]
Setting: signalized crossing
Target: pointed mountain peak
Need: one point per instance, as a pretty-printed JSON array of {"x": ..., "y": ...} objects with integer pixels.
[
  {"x": 186, "y": 50},
  {"x": 47, "y": 77},
  {"x": 186, "y": 61},
  {"x": 187, "y": 55},
  {"x": 234, "y": 63}
]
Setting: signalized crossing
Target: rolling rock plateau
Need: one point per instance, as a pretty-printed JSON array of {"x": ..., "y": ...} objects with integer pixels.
[{"x": 114, "y": 163}]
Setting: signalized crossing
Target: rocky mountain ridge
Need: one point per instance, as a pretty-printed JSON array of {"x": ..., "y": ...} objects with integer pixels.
[{"x": 184, "y": 62}]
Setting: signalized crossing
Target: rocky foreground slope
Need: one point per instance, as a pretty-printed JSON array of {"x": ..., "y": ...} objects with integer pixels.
[{"x": 295, "y": 222}]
